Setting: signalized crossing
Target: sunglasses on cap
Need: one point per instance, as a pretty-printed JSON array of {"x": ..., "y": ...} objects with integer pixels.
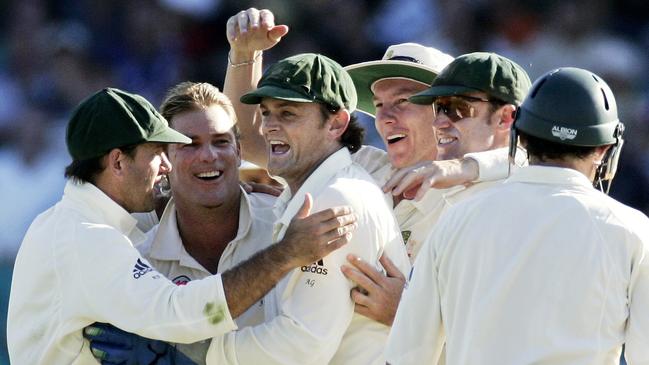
[{"x": 458, "y": 107}]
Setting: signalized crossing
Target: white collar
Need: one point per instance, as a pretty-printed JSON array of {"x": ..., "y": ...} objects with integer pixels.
[
  {"x": 288, "y": 205},
  {"x": 549, "y": 175},
  {"x": 167, "y": 243},
  {"x": 95, "y": 203}
]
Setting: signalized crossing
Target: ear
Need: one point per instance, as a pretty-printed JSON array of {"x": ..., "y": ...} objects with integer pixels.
[
  {"x": 338, "y": 123},
  {"x": 600, "y": 154},
  {"x": 238, "y": 149},
  {"x": 115, "y": 162},
  {"x": 505, "y": 117}
]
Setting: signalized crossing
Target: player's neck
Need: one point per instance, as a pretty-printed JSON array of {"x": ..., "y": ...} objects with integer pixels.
[
  {"x": 296, "y": 180},
  {"x": 585, "y": 165},
  {"x": 206, "y": 232}
]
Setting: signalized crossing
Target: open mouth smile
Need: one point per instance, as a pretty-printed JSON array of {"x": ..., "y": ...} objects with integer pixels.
[
  {"x": 279, "y": 147},
  {"x": 445, "y": 140},
  {"x": 394, "y": 138},
  {"x": 209, "y": 175}
]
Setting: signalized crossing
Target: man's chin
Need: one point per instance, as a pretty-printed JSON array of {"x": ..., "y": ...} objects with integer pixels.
[
  {"x": 448, "y": 154},
  {"x": 400, "y": 161},
  {"x": 148, "y": 204},
  {"x": 275, "y": 170},
  {"x": 141, "y": 209}
]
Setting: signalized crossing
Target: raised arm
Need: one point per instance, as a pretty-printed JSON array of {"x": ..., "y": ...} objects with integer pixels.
[{"x": 249, "y": 33}]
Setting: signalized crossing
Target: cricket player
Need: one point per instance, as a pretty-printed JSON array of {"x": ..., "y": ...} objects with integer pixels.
[
  {"x": 543, "y": 269},
  {"x": 209, "y": 225},
  {"x": 77, "y": 264},
  {"x": 383, "y": 89},
  {"x": 306, "y": 103}
]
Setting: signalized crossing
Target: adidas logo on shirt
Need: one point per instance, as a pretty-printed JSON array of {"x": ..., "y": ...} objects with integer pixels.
[
  {"x": 315, "y": 268},
  {"x": 140, "y": 269}
]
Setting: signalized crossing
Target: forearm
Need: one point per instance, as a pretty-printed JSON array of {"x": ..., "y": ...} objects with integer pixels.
[
  {"x": 240, "y": 79},
  {"x": 248, "y": 282},
  {"x": 307, "y": 239}
]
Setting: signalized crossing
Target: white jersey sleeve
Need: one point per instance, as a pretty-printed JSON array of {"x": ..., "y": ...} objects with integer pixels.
[
  {"x": 133, "y": 296},
  {"x": 494, "y": 164},
  {"x": 637, "y": 331},
  {"x": 417, "y": 334}
]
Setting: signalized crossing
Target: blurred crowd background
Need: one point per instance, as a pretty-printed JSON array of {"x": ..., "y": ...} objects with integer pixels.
[{"x": 54, "y": 53}]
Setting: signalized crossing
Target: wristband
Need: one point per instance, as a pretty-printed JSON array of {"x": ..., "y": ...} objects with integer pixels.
[{"x": 244, "y": 63}]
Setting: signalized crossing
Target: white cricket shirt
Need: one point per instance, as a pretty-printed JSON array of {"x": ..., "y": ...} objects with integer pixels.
[
  {"x": 310, "y": 316},
  {"x": 543, "y": 269},
  {"x": 77, "y": 265},
  {"x": 165, "y": 251}
]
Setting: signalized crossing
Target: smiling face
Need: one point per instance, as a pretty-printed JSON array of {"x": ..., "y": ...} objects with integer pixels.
[
  {"x": 406, "y": 128},
  {"x": 297, "y": 138},
  {"x": 206, "y": 171},
  {"x": 475, "y": 129}
]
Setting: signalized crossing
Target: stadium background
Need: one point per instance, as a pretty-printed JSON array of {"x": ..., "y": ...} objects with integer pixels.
[{"x": 54, "y": 53}]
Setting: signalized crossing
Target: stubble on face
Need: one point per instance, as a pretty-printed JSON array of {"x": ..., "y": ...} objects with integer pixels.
[
  {"x": 297, "y": 139},
  {"x": 143, "y": 171}
]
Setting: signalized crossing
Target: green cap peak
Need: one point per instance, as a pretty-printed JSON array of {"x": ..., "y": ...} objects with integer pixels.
[
  {"x": 495, "y": 75},
  {"x": 113, "y": 118},
  {"x": 306, "y": 78}
]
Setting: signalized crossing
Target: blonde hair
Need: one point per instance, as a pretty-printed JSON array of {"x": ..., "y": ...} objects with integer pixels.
[{"x": 189, "y": 96}]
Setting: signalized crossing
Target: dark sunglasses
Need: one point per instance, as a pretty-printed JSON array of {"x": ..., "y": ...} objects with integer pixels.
[{"x": 458, "y": 106}]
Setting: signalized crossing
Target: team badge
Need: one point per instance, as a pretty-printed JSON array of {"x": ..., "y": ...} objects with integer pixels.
[{"x": 405, "y": 235}]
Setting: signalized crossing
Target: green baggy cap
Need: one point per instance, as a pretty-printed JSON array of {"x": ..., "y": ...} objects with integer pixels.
[
  {"x": 113, "y": 118},
  {"x": 306, "y": 78},
  {"x": 499, "y": 77}
]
